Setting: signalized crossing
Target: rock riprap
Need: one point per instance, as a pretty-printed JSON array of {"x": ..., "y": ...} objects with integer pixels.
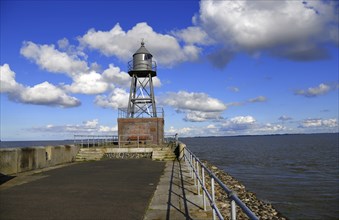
[{"x": 261, "y": 209}]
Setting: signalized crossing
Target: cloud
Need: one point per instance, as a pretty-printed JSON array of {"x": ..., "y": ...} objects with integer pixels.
[
  {"x": 271, "y": 128},
  {"x": 285, "y": 118},
  {"x": 322, "y": 89},
  {"x": 52, "y": 60},
  {"x": 249, "y": 101},
  {"x": 198, "y": 107},
  {"x": 239, "y": 125},
  {"x": 40, "y": 94},
  {"x": 118, "y": 98},
  {"x": 88, "y": 83},
  {"x": 193, "y": 35},
  {"x": 221, "y": 57},
  {"x": 165, "y": 48},
  {"x": 7, "y": 79},
  {"x": 193, "y": 101},
  {"x": 258, "y": 99},
  {"x": 233, "y": 89},
  {"x": 198, "y": 116},
  {"x": 295, "y": 30},
  {"x": 319, "y": 123},
  {"x": 87, "y": 127},
  {"x": 86, "y": 80},
  {"x": 113, "y": 74},
  {"x": 47, "y": 94}
]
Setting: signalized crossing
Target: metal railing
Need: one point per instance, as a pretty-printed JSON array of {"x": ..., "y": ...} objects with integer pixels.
[
  {"x": 170, "y": 138},
  {"x": 136, "y": 139},
  {"x": 142, "y": 65},
  {"x": 197, "y": 172},
  {"x": 95, "y": 140},
  {"x": 123, "y": 113}
]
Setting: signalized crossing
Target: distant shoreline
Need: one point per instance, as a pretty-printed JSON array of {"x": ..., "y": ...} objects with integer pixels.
[{"x": 210, "y": 136}]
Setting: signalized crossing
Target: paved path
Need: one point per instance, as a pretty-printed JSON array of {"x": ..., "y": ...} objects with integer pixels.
[
  {"x": 176, "y": 196},
  {"x": 108, "y": 189}
]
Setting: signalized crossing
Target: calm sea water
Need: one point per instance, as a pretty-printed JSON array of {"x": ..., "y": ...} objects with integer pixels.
[{"x": 298, "y": 174}]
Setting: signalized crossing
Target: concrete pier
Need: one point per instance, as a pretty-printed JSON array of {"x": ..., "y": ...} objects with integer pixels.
[{"x": 106, "y": 189}]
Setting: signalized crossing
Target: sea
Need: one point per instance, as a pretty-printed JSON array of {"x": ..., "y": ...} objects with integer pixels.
[{"x": 297, "y": 173}]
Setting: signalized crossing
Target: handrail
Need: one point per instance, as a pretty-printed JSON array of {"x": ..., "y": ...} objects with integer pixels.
[
  {"x": 135, "y": 138},
  {"x": 94, "y": 140},
  {"x": 194, "y": 163}
]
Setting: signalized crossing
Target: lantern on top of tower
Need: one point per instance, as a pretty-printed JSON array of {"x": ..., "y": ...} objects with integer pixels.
[{"x": 141, "y": 99}]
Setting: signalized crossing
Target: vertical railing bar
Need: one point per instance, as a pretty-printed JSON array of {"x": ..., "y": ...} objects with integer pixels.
[
  {"x": 198, "y": 176},
  {"x": 204, "y": 186},
  {"x": 194, "y": 168},
  {"x": 191, "y": 161},
  {"x": 213, "y": 196},
  {"x": 233, "y": 210}
]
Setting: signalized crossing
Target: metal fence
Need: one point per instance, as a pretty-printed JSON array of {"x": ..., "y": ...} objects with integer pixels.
[
  {"x": 95, "y": 140},
  {"x": 198, "y": 172},
  {"x": 132, "y": 140},
  {"x": 135, "y": 139}
]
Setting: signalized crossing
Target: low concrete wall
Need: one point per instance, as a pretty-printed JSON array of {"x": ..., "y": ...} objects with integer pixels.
[
  {"x": 129, "y": 150},
  {"x": 128, "y": 153},
  {"x": 16, "y": 160}
]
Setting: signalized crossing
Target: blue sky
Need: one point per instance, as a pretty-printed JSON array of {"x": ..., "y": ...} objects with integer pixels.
[{"x": 224, "y": 67}]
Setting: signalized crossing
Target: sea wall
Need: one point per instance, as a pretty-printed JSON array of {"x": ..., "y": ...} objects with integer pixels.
[{"x": 16, "y": 160}]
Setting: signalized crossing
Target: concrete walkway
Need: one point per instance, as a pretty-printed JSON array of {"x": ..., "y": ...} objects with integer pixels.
[
  {"x": 107, "y": 189},
  {"x": 176, "y": 196}
]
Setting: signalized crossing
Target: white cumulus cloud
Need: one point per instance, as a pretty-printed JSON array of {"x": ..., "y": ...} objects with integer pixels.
[
  {"x": 164, "y": 47},
  {"x": 47, "y": 94},
  {"x": 88, "y": 83},
  {"x": 183, "y": 100},
  {"x": 52, "y": 60},
  {"x": 198, "y": 116},
  {"x": 113, "y": 74},
  {"x": 317, "y": 122},
  {"x": 321, "y": 89},
  {"x": 87, "y": 127},
  {"x": 7, "y": 80},
  {"x": 40, "y": 94},
  {"x": 291, "y": 29},
  {"x": 118, "y": 98},
  {"x": 238, "y": 123}
]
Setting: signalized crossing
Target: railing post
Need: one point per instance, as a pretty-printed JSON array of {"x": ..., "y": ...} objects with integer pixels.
[
  {"x": 213, "y": 197},
  {"x": 233, "y": 210},
  {"x": 198, "y": 176},
  {"x": 194, "y": 172},
  {"x": 204, "y": 186},
  {"x": 191, "y": 166}
]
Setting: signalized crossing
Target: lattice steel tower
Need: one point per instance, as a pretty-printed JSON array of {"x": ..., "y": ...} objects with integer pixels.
[{"x": 141, "y": 99}]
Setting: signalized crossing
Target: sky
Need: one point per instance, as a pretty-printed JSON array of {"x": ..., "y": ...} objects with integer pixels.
[{"x": 224, "y": 68}]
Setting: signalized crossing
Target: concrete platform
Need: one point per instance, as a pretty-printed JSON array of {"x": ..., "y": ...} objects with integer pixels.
[{"x": 107, "y": 189}]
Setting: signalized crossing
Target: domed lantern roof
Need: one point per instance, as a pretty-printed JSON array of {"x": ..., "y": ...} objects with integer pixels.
[{"x": 142, "y": 50}]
